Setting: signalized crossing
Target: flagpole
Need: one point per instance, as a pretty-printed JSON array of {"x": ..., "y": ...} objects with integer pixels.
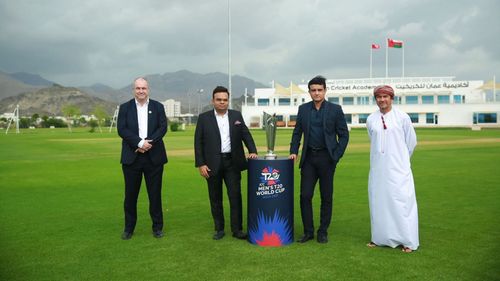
[
  {"x": 371, "y": 51},
  {"x": 386, "y": 57},
  {"x": 229, "y": 50},
  {"x": 403, "y": 68}
]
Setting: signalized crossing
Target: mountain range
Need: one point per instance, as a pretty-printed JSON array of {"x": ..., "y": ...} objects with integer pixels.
[
  {"x": 35, "y": 94},
  {"x": 51, "y": 100}
]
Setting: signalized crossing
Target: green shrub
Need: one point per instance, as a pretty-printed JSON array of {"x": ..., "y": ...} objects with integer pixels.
[{"x": 174, "y": 126}]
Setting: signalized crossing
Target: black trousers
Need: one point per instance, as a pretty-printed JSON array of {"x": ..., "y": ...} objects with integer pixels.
[
  {"x": 133, "y": 177},
  {"x": 317, "y": 165},
  {"x": 232, "y": 178}
]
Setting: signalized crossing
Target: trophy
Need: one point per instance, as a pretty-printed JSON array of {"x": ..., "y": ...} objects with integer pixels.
[{"x": 270, "y": 127}]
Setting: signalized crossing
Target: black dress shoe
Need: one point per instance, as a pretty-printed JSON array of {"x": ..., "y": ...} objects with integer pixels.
[
  {"x": 126, "y": 235},
  {"x": 219, "y": 234},
  {"x": 240, "y": 235},
  {"x": 305, "y": 238},
  {"x": 322, "y": 238},
  {"x": 157, "y": 234}
]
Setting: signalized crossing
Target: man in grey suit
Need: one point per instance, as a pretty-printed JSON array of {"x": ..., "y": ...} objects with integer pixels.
[
  {"x": 141, "y": 124},
  {"x": 219, "y": 156},
  {"x": 325, "y": 139}
]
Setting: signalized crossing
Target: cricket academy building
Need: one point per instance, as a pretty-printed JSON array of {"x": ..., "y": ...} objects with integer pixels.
[{"x": 429, "y": 101}]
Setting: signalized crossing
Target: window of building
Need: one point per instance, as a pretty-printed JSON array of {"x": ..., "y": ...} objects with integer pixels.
[
  {"x": 481, "y": 118},
  {"x": 284, "y": 101},
  {"x": 279, "y": 117},
  {"x": 362, "y": 118},
  {"x": 429, "y": 118},
  {"x": 347, "y": 100},
  {"x": 413, "y": 117},
  {"x": 363, "y": 100},
  {"x": 411, "y": 99},
  {"x": 263, "y": 102},
  {"x": 458, "y": 99},
  {"x": 443, "y": 99},
  {"x": 334, "y": 100},
  {"x": 348, "y": 118},
  {"x": 397, "y": 100},
  {"x": 427, "y": 99},
  {"x": 293, "y": 117}
]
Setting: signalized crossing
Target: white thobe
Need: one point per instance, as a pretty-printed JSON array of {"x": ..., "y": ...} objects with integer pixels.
[{"x": 391, "y": 191}]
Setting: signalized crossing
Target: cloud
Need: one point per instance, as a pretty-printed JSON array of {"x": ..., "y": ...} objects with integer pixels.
[{"x": 112, "y": 41}]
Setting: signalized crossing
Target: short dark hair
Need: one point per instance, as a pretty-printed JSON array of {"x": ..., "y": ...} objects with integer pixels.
[
  {"x": 220, "y": 89},
  {"x": 317, "y": 80}
]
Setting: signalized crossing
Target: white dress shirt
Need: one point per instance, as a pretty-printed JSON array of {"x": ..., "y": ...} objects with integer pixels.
[
  {"x": 142, "y": 119},
  {"x": 223, "y": 123}
]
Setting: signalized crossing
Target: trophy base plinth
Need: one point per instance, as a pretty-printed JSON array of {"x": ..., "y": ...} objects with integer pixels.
[{"x": 270, "y": 156}]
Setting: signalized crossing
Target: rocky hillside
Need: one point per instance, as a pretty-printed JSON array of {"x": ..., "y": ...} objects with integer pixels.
[
  {"x": 50, "y": 101},
  {"x": 33, "y": 94}
]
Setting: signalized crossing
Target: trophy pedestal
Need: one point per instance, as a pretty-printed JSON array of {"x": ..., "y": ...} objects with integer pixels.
[
  {"x": 270, "y": 202},
  {"x": 270, "y": 156}
]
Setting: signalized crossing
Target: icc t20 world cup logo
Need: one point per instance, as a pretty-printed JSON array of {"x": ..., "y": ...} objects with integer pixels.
[
  {"x": 270, "y": 184},
  {"x": 270, "y": 176}
]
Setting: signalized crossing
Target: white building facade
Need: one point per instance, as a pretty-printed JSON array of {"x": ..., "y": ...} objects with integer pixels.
[
  {"x": 430, "y": 101},
  {"x": 172, "y": 108}
]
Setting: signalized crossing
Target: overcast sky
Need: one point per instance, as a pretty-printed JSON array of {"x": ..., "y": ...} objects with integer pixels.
[{"x": 79, "y": 43}]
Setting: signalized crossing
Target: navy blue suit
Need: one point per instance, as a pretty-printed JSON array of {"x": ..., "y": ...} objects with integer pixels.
[
  {"x": 319, "y": 163},
  {"x": 135, "y": 164}
]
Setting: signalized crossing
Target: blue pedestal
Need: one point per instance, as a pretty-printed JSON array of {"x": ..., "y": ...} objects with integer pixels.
[{"x": 270, "y": 202}]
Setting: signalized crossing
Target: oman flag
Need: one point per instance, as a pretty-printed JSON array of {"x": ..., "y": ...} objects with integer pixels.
[
  {"x": 394, "y": 43},
  {"x": 375, "y": 46}
]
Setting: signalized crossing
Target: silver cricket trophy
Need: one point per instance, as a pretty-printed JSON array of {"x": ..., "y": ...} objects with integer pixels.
[{"x": 270, "y": 127}]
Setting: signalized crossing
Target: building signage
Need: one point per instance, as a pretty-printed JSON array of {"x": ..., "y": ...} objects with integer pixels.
[{"x": 401, "y": 86}]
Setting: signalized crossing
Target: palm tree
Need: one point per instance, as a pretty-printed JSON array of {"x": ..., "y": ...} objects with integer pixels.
[{"x": 70, "y": 111}]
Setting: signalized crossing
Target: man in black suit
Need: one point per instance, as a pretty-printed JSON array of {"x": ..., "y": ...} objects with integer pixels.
[
  {"x": 219, "y": 156},
  {"x": 141, "y": 124},
  {"x": 325, "y": 140}
]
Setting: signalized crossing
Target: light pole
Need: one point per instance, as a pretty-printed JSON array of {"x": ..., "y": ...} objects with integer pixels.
[
  {"x": 200, "y": 92},
  {"x": 189, "y": 108}
]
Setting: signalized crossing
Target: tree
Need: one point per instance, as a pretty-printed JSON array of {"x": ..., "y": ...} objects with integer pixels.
[
  {"x": 57, "y": 123},
  {"x": 45, "y": 118},
  {"x": 34, "y": 119},
  {"x": 24, "y": 122},
  {"x": 101, "y": 115},
  {"x": 93, "y": 124},
  {"x": 70, "y": 111}
]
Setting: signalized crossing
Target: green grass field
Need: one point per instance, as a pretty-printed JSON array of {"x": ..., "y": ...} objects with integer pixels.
[{"x": 61, "y": 215}]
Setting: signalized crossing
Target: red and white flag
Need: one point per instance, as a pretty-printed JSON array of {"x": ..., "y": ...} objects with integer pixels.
[
  {"x": 375, "y": 46},
  {"x": 394, "y": 43}
]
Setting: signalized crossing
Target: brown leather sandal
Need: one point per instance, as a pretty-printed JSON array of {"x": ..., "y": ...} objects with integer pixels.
[{"x": 406, "y": 249}]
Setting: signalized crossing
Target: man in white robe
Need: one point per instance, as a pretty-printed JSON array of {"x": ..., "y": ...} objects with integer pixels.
[{"x": 391, "y": 191}]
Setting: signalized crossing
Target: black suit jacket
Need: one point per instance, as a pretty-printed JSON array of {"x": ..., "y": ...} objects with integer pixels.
[
  {"x": 207, "y": 141},
  {"x": 335, "y": 130},
  {"x": 128, "y": 129}
]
